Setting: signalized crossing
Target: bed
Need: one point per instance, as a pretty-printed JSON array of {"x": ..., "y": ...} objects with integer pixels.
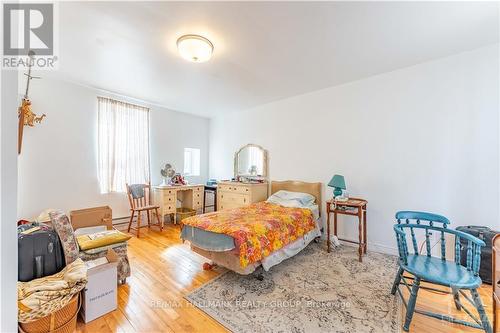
[{"x": 277, "y": 232}]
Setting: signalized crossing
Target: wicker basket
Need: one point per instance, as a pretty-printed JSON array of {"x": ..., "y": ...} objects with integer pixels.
[
  {"x": 61, "y": 321},
  {"x": 184, "y": 213}
]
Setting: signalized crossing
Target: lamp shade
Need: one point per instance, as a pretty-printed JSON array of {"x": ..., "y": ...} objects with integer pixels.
[{"x": 338, "y": 182}]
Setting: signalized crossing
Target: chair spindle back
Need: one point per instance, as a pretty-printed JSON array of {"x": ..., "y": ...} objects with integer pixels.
[
  {"x": 410, "y": 220},
  {"x": 141, "y": 201}
]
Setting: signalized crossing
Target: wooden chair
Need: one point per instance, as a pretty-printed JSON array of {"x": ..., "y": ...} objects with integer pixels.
[
  {"x": 139, "y": 197},
  {"x": 438, "y": 270}
]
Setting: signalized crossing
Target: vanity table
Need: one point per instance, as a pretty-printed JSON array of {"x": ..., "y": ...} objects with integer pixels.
[
  {"x": 190, "y": 196},
  {"x": 250, "y": 171}
]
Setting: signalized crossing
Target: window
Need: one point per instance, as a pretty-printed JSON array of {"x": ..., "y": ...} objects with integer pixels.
[
  {"x": 123, "y": 144},
  {"x": 191, "y": 162}
]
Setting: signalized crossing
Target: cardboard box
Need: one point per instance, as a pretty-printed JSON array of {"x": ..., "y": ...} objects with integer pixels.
[
  {"x": 91, "y": 217},
  {"x": 100, "y": 294}
]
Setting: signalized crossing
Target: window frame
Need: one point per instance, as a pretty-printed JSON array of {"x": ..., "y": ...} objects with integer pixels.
[
  {"x": 118, "y": 123},
  {"x": 194, "y": 156}
]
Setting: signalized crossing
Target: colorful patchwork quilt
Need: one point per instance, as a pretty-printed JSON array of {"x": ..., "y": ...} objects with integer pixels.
[{"x": 258, "y": 229}]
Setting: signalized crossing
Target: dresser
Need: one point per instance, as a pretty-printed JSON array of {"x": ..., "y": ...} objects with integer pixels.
[
  {"x": 234, "y": 194},
  {"x": 167, "y": 197}
]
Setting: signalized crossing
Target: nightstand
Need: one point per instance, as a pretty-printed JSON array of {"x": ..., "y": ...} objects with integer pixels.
[{"x": 352, "y": 207}]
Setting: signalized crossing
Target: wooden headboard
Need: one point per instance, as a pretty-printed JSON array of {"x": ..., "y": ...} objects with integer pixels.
[{"x": 298, "y": 186}]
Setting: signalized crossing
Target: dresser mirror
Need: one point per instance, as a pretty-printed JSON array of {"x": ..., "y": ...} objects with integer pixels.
[{"x": 250, "y": 162}]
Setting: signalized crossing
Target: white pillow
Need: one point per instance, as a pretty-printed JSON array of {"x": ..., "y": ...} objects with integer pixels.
[
  {"x": 286, "y": 202},
  {"x": 305, "y": 199},
  {"x": 295, "y": 203}
]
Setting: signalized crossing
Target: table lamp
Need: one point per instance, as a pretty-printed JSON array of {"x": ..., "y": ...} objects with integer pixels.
[{"x": 338, "y": 184}]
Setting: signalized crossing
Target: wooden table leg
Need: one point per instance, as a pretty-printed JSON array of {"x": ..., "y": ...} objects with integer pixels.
[
  {"x": 160, "y": 223},
  {"x": 360, "y": 234},
  {"x": 365, "y": 240},
  {"x": 328, "y": 227},
  {"x": 335, "y": 223}
]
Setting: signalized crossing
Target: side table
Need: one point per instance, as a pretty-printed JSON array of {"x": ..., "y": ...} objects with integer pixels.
[{"x": 352, "y": 207}]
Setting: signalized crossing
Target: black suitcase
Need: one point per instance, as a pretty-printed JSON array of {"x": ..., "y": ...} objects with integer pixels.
[
  {"x": 486, "y": 235},
  {"x": 39, "y": 253}
]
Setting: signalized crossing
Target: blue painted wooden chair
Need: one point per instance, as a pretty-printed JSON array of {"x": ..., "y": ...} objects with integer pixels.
[{"x": 438, "y": 270}]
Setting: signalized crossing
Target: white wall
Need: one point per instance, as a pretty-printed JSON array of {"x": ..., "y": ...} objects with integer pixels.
[
  {"x": 58, "y": 164},
  {"x": 419, "y": 138},
  {"x": 8, "y": 199}
]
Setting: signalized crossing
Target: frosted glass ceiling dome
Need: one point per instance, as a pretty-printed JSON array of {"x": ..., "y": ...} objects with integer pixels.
[{"x": 195, "y": 48}]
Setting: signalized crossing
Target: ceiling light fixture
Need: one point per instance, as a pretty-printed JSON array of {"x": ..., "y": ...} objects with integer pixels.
[{"x": 195, "y": 48}]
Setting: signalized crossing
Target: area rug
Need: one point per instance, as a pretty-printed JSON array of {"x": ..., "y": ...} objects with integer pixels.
[{"x": 314, "y": 291}]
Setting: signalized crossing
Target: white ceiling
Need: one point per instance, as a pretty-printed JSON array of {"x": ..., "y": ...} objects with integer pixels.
[{"x": 263, "y": 51}]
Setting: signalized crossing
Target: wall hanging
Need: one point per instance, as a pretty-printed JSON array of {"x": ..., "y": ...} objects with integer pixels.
[{"x": 26, "y": 116}]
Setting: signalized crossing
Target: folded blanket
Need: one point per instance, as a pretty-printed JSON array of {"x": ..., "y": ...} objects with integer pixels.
[
  {"x": 41, "y": 297},
  {"x": 100, "y": 239}
]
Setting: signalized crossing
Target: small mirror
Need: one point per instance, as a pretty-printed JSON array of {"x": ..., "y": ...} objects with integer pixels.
[{"x": 250, "y": 162}]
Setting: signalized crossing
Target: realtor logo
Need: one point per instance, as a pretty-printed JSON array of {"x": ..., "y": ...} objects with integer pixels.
[
  {"x": 28, "y": 27},
  {"x": 28, "y": 35}
]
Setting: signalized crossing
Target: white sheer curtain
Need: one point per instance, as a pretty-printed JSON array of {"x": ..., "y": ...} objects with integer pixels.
[{"x": 123, "y": 144}]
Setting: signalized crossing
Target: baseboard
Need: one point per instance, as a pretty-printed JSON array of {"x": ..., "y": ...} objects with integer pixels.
[
  {"x": 120, "y": 220},
  {"x": 375, "y": 247},
  {"x": 383, "y": 249}
]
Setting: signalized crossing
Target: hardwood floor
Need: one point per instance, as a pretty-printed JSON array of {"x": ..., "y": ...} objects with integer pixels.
[{"x": 164, "y": 270}]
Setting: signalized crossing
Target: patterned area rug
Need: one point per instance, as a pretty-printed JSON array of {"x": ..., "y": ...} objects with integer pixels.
[{"x": 311, "y": 292}]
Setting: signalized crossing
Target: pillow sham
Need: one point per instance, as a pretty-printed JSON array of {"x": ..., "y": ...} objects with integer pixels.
[
  {"x": 305, "y": 199},
  {"x": 286, "y": 202},
  {"x": 295, "y": 203}
]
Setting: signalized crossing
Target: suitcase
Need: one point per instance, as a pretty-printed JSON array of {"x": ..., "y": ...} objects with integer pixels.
[
  {"x": 486, "y": 235},
  {"x": 40, "y": 253}
]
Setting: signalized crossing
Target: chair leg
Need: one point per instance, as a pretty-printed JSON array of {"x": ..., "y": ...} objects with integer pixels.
[
  {"x": 149, "y": 218},
  {"x": 456, "y": 299},
  {"x": 131, "y": 219},
  {"x": 411, "y": 304},
  {"x": 138, "y": 224},
  {"x": 397, "y": 280},
  {"x": 480, "y": 309},
  {"x": 158, "y": 218}
]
